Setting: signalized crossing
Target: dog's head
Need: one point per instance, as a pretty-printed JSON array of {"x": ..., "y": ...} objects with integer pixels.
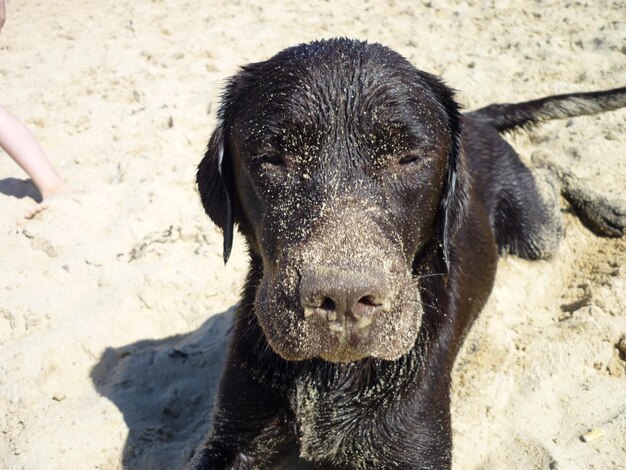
[{"x": 340, "y": 162}]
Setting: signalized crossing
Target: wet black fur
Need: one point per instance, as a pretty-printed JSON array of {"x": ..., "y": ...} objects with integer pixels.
[{"x": 370, "y": 414}]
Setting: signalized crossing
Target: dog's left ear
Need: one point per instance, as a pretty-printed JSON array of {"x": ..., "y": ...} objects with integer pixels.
[
  {"x": 455, "y": 196},
  {"x": 216, "y": 187}
]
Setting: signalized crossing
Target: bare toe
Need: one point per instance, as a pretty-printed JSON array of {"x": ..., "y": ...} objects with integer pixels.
[
  {"x": 32, "y": 211},
  {"x": 35, "y": 210}
]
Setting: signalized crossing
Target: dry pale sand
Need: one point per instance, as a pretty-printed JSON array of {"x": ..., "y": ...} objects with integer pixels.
[{"x": 114, "y": 305}]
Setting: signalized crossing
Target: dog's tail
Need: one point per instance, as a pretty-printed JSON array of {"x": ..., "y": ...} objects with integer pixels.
[{"x": 507, "y": 116}]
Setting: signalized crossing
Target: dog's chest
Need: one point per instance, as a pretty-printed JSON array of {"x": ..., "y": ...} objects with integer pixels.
[{"x": 333, "y": 425}]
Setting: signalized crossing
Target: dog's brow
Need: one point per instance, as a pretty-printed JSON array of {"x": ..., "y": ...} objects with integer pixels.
[
  {"x": 395, "y": 137},
  {"x": 294, "y": 136}
]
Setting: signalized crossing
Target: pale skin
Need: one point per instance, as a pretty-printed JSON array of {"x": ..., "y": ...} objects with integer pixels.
[{"x": 21, "y": 145}]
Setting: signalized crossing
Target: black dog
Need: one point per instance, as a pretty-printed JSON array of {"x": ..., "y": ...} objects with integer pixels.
[{"x": 373, "y": 213}]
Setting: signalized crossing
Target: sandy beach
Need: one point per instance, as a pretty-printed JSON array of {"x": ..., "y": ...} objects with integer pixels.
[{"x": 115, "y": 304}]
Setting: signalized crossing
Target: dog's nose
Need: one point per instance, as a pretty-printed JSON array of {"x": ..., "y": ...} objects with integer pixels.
[{"x": 338, "y": 296}]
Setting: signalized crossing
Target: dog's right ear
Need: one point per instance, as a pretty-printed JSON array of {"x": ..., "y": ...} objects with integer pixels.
[{"x": 216, "y": 186}]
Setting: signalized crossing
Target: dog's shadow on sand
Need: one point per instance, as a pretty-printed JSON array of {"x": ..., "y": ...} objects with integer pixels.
[
  {"x": 19, "y": 188},
  {"x": 165, "y": 389}
]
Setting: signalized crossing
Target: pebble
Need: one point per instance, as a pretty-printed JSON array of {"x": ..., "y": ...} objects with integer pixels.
[{"x": 592, "y": 435}]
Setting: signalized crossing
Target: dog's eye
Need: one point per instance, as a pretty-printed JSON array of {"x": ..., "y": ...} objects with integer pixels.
[
  {"x": 409, "y": 158},
  {"x": 272, "y": 159}
]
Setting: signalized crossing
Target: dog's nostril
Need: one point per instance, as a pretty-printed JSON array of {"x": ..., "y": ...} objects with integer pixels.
[
  {"x": 324, "y": 306},
  {"x": 328, "y": 304},
  {"x": 369, "y": 301}
]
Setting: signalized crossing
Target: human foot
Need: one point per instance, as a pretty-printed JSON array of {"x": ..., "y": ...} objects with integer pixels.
[{"x": 51, "y": 197}]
